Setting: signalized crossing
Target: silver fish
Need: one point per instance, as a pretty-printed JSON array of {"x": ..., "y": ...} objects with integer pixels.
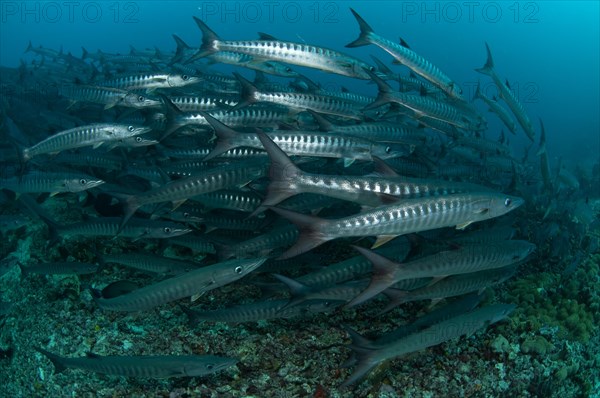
[
  {"x": 261, "y": 310},
  {"x": 288, "y": 180},
  {"x": 410, "y": 216},
  {"x": 143, "y": 366},
  {"x": 405, "y": 56},
  {"x": 466, "y": 259},
  {"x": 93, "y": 135},
  {"x": 52, "y": 182},
  {"x": 423, "y": 106},
  {"x": 189, "y": 284},
  {"x": 287, "y": 52},
  {"x": 507, "y": 95},
  {"x": 150, "y": 81},
  {"x": 298, "y": 102},
  {"x": 497, "y": 109},
  {"x": 60, "y": 268},
  {"x": 301, "y": 143},
  {"x": 180, "y": 190},
  {"x": 150, "y": 263},
  {"x": 465, "y": 324}
]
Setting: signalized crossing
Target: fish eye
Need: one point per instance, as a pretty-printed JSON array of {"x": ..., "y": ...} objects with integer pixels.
[
  {"x": 131, "y": 128},
  {"x": 507, "y": 202},
  {"x": 210, "y": 366},
  {"x": 83, "y": 181},
  {"x": 141, "y": 98},
  {"x": 138, "y": 139},
  {"x": 167, "y": 230},
  {"x": 388, "y": 149},
  {"x": 185, "y": 77},
  {"x": 238, "y": 269},
  {"x": 288, "y": 69}
]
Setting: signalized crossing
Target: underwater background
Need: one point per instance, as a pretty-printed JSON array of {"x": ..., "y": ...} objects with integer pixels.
[{"x": 549, "y": 51}]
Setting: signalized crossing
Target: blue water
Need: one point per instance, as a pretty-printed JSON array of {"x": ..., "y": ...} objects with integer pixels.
[{"x": 549, "y": 51}]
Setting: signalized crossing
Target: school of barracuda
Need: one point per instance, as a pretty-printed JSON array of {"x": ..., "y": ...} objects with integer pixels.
[{"x": 397, "y": 193}]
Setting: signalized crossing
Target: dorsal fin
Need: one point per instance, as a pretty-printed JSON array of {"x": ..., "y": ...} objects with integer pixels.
[{"x": 266, "y": 36}]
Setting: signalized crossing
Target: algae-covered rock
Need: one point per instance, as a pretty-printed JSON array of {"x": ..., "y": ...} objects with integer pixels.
[
  {"x": 537, "y": 344},
  {"x": 566, "y": 371},
  {"x": 501, "y": 345}
]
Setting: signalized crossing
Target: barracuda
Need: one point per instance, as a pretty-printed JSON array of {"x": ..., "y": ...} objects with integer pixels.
[
  {"x": 303, "y": 143},
  {"x": 482, "y": 145},
  {"x": 262, "y": 118},
  {"x": 497, "y": 109},
  {"x": 50, "y": 182},
  {"x": 197, "y": 244},
  {"x": 107, "y": 96},
  {"x": 301, "y": 293},
  {"x": 93, "y": 135},
  {"x": 196, "y": 104},
  {"x": 150, "y": 263},
  {"x": 427, "y": 107},
  {"x": 378, "y": 132},
  {"x": 457, "y": 307},
  {"x": 262, "y": 310},
  {"x": 143, "y": 366},
  {"x": 60, "y": 268},
  {"x": 351, "y": 268},
  {"x": 151, "y": 82},
  {"x": 410, "y": 216},
  {"x": 405, "y": 56},
  {"x": 229, "y": 199},
  {"x": 288, "y": 180},
  {"x": 291, "y": 53},
  {"x": 261, "y": 245},
  {"x": 193, "y": 283},
  {"x": 465, "y": 324},
  {"x": 110, "y": 227},
  {"x": 466, "y": 259},
  {"x": 453, "y": 286},
  {"x": 507, "y": 95},
  {"x": 180, "y": 190},
  {"x": 201, "y": 153},
  {"x": 299, "y": 102}
]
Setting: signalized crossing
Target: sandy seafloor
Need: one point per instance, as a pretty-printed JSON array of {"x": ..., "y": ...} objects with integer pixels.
[{"x": 289, "y": 357}]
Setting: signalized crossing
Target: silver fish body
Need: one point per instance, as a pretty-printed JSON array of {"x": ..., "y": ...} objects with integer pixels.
[
  {"x": 91, "y": 135},
  {"x": 143, "y": 366},
  {"x": 405, "y": 56},
  {"x": 409, "y": 216},
  {"x": 187, "y": 284},
  {"x": 287, "y": 52}
]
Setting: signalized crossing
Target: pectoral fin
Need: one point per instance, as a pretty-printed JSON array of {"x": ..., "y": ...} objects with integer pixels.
[
  {"x": 382, "y": 240},
  {"x": 464, "y": 225}
]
